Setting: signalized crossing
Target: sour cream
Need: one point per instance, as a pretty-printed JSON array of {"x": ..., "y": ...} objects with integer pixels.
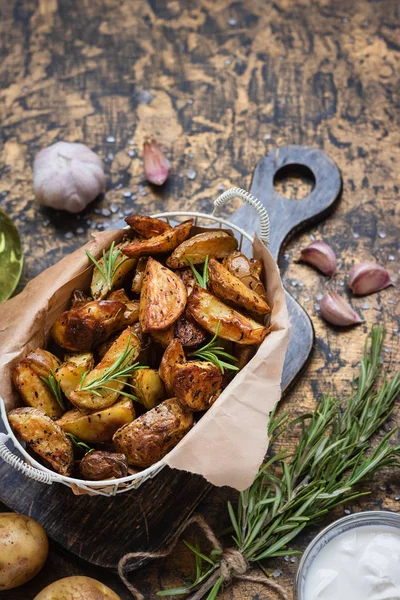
[{"x": 362, "y": 563}]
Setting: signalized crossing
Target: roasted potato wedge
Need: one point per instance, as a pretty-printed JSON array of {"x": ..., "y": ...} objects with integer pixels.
[
  {"x": 81, "y": 329},
  {"x": 214, "y": 244},
  {"x": 209, "y": 311},
  {"x": 119, "y": 296},
  {"x": 100, "y": 465},
  {"x": 102, "y": 396},
  {"x": 173, "y": 355},
  {"x": 188, "y": 279},
  {"x": 244, "y": 354},
  {"x": 196, "y": 384},
  {"x": 105, "y": 279},
  {"x": 147, "y": 227},
  {"x": 70, "y": 372},
  {"x": 148, "y": 387},
  {"x": 79, "y": 298},
  {"x": 98, "y": 426},
  {"x": 247, "y": 270},
  {"x": 164, "y": 336},
  {"x": 159, "y": 244},
  {"x": 163, "y": 297},
  {"x": 232, "y": 290},
  {"x": 151, "y": 436},
  {"x": 43, "y": 436},
  {"x": 137, "y": 280},
  {"x": 29, "y": 378},
  {"x": 189, "y": 332}
]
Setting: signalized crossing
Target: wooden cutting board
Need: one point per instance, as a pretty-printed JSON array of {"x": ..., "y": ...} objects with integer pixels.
[{"x": 100, "y": 530}]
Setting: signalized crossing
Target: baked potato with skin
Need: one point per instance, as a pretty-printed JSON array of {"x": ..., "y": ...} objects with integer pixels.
[
  {"x": 164, "y": 336},
  {"x": 232, "y": 290},
  {"x": 27, "y": 378},
  {"x": 99, "y": 286},
  {"x": 159, "y": 244},
  {"x": 137, "y": 280},
  {"x": 247, "y": 270},
  {"x": 188, "y": 279},
  {"x": 98, "y": 426},
  {"x": 173, "y": 355},
  {"x": 119, "y": 296},
  {"x": 77, "y": 587},
  {"x": 81, "y": 329},
  {"x": 163, "y": 297},
  {"x": 189, "y": 332},
  {"x": 103, "y": 397},
  {"x": 244, "y": 354},
  {"x": 43, "y": 436},
  {"x": 196, "y": 384},
  {"x": 148, "y": 387},
  {"x": 152, "y": 435},
  {"x": 215, "y": 244},
  {"x": 209, "y": 312},
  {"x": 147, "y": 227},
  {"x": 79, "y": 298},
  {"x": 100, "y": 465},
  {"x": 70, "y": 372}
]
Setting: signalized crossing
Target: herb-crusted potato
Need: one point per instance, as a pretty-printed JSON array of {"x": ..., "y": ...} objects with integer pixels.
[
  {"x": 81, "y": 329},
  {"x": 44, "y": 436},
  {"x": 111, "y": 271},
  {"x": 100, "y": 465},
  {"x": 159, "y": 244},
  {"x": 164, "y": 336},
  {"x": 173, "y": 355},
  {"x": 70, "y": 372},
  {"x": 188, "y": 279},
  {"x": 232, "y": 290},
  {"x": 216, "y": 244},
  {"x": 147, "y": 227},
  {"x": 79, "y": 298},
  {"x": 247, "y": 270},
  {"x": 244, "y": 354},
  {"x": 196, "y": 384},
  {"x": 209, "y": 312},
  {"x": 137, "y": 280},
  {"x": 189, "y": 332},
  {"x": 152, "y": 435},
  {"x": 98, "y": 426},
  {"x": 119, "y": 296},
  {"x": 163, "y": 297},
  {"x": 148, "y": 387}
]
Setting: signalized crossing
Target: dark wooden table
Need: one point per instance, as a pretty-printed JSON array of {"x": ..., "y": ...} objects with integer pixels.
[{"x": 220, "y": 84}]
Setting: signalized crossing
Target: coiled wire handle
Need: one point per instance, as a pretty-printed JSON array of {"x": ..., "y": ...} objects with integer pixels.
[
  {"x": 252, "y": 201},
  {"x": 20, "y": 465}
]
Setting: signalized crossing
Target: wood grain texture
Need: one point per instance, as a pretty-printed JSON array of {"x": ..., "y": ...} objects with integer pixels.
[{"x": 230, "y": 81}]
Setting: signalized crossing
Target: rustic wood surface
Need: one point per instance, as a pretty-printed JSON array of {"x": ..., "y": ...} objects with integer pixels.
[{"x": 220, "y": 84}]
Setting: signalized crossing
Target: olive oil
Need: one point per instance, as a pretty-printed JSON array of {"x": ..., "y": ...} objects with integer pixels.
[{"x": 11, "y": 259}]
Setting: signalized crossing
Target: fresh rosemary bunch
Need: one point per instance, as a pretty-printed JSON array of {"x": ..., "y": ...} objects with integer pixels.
[
  {"x": 79, "y": 445},
  {"x": 112, "y": 260},
  {"x": 212, "y": 353},
  {"x": 201, "y": 279},
  {"x": 294, "y": 489},
  {"x": 54, "y": 387}
]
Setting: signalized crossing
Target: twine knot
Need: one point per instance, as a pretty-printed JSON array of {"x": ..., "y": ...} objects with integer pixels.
[{"x": 233, "y": 564}]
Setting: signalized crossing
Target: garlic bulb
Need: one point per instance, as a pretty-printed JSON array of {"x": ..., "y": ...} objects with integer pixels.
[{"x": 67, "y": 176}]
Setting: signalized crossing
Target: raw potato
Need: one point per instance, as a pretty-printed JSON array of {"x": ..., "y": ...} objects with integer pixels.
[
  {"x": 247, "y": 270},
  {"x": 163, "y": 297},
  {"x": 77, "y": 588},
  {"x": 137, "y": 280},
  {"x": 232, "y": 290},
  {"x": 80, "y": 329},
  {"x": 69, "y": 373},
  {"x": 159, "y": 244},
  {"x": 164, "y": 336},
  {"x": 27, "y": 378},
  {"x": 43, "y": 436},
  {"x": 215, "y": 244},
  {"x": 150, "y": 437},
  {"x": 196, "y": 384},
  {"x": 99, "y": 465},
  {"x": 189, "y": 332},
  {"x": 23, "y": 549},
  {"x": 99, "y": 426},
  {"x": 147, "y": 227},
  {"x": 148, "y": 387},
  {"x": 173, "y": 355},
  {"x": 209, "y": 311},
  {"x": 102, "y": 398},
  {"x": 99, "y": 287}
]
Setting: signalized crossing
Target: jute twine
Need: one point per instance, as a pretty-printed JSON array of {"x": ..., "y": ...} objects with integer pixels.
[{"x": 233, "y": 564}]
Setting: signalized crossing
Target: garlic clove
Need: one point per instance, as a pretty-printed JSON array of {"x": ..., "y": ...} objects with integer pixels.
[
  {"x": 155, "y": 164},
  {"x": 337, "y": 311},
  {"x": 367, "y": 278},
  {"x": 321, "y": 256}
]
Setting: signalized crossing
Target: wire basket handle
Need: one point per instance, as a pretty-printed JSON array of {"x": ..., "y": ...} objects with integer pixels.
[
  {"x": 20, "y": 465},
  {"x": 252, "y": 201}
]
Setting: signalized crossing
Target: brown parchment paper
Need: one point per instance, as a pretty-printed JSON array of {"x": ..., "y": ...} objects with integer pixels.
[{"x": 229, "y": 443}]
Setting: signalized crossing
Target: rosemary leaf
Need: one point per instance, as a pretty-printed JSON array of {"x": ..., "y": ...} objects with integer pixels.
[
  {"x": 112, "y": 261},
  {"x": 54, "y": 387},
  {"x": 79, "y": 444},
  {"x": 202, "y": 280},
  {"x": 211, "y": 352}
]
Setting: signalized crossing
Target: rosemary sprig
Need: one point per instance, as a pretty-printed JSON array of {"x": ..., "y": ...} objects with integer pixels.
[
  {"x": 201, "y": 279},
  {"x": 110, "y": 263},
  {"x": 54, "y": 387},
  {"x": 332, "y": 456},
  {"x": 79, "y": 444},
  {"x": 211, "y": 352}
]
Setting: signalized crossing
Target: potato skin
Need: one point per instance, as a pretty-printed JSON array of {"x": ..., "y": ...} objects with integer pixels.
[
  {"x": 44, "y": 436},
  {"x": 209, "y": 311},
  {"x": 147, "y": 227},
  {"x": 189, "y": 332},
  {"x": 173, "y": 354},
  {"x": 81, "y": 329},
  {"x": 247, "y": 270},
  {"x": 99, "y": 465},
  {"x": 164, "y": 336},
  {"x": 196, "y": 384},
  {"x": 138, "y": 277},
  {"x": 215, "y": 244},
  {"x": 148, "y": 386},
  {"x": 77, "y": 587},
  {"x": 159, "y": 244},
  {"x": 232, "y": 290},
  {"x": 151, "y": 436},
  {"x": 23, "y": 549},
  {"x": 70, "y": 372}
]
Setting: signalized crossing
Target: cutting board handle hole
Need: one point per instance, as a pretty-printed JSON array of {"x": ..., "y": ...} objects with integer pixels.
[{"x": 294, "y": 181}]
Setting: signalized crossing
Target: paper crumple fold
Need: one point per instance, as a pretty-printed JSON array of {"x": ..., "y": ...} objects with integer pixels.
[{"x": 228, "y": 444}]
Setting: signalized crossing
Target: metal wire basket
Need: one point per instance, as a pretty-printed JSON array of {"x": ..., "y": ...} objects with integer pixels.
[{"x": 35, "y": 470}]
